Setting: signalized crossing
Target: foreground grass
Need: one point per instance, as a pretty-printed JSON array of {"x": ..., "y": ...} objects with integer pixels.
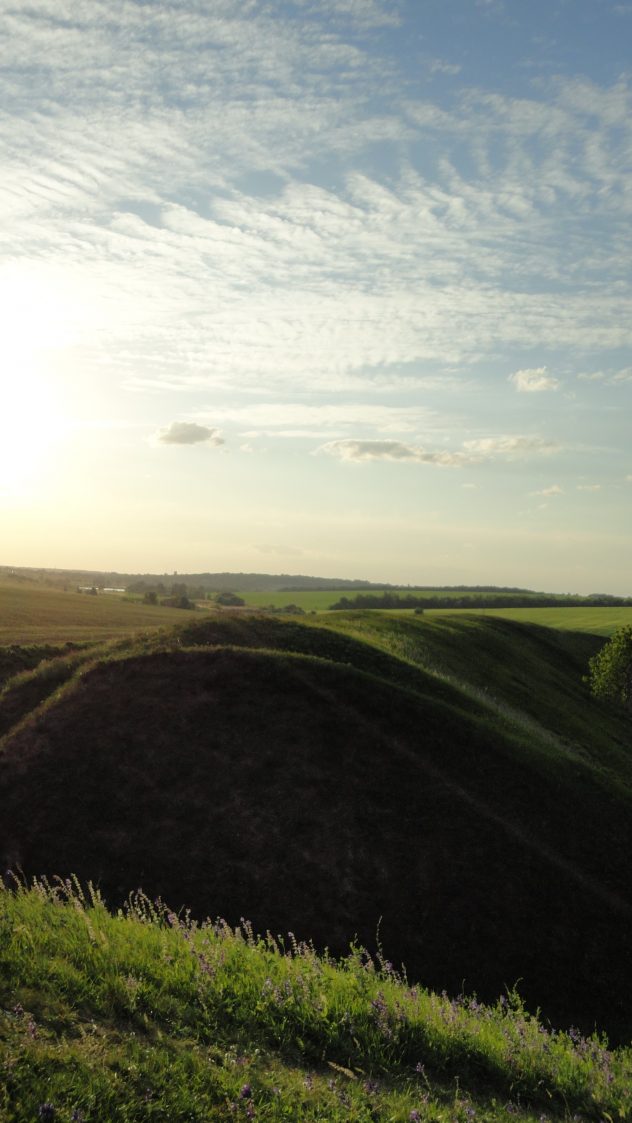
[{"x": 145, "y": 1015}]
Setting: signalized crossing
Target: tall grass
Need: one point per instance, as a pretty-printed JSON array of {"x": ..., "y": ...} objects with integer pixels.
[{"x": 144, "y": 1014}]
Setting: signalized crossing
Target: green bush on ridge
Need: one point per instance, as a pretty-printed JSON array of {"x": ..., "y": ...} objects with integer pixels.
[{"x": 610, "y": 670}]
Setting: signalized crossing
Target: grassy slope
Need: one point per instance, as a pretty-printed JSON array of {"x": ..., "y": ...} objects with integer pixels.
[
  {"x": 324, "y": 789},
  {"x": 142, "y": 1016},
  {"x": 596, "y": 621}
]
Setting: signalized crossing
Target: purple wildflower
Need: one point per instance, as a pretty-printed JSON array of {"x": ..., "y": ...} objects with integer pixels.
[
  {"x": 46, "y": 1111},
  {"x": 246, "y": 1092}
]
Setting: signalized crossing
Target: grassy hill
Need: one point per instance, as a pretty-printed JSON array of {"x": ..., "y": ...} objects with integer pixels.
[
  {"x": 446, "y": 779},
  {"x": 145, "y": 1015}
]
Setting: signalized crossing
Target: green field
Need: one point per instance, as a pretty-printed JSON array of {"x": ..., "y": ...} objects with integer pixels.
[
  {"x": 31, "y": 614},
  {"x": 598, "y": 620},
  {"x": 319, "y": 600}
]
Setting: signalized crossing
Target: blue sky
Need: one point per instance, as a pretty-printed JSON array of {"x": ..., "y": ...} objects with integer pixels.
[{"x": 330, "y": 286}]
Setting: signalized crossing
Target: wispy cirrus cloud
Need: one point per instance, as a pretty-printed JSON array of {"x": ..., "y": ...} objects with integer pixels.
[
  {"x": 285, "y": 417},
  {"x": 608, "y": 378},
  {"x": 472, "y": 452},
  {"x": 511, "y": 446},
  {"x": 380, "y": 270}
]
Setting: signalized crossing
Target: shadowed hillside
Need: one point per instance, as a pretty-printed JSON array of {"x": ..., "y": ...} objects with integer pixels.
[{"x": 310, "y": 780}]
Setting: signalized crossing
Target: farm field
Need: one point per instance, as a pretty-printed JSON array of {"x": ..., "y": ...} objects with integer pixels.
[
  {"x": 320, "y": 600},
  {"x": 598, "y": 621},
  {"x": 29, "y": 614}
]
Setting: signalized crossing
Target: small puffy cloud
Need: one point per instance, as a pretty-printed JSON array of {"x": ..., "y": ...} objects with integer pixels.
[
  {"x": 554, "y": 489},
  {"x": 533, "y": 381},
  {"x": 188, "y": 433},
  {"x": 589, "y": 487}
]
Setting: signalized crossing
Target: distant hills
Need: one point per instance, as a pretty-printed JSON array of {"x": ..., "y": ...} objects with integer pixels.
[
  {"x": 213, "y": 582},
  {"x": 366, "y": 594}
]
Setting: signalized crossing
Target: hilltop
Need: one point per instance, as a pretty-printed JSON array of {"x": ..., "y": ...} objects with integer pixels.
[{"x": 448, "y": 781}]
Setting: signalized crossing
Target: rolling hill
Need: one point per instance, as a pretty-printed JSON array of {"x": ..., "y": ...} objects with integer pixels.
[{"x": 444, "y": 786}]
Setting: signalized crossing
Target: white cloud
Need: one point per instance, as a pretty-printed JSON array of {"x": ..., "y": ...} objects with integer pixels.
[
  {"x": 442, "y": 66},
  {"x": 511, "y": 446},
  {"x": 188, "y": 433},
  {"x": 366, "y": 14},
  {"x": 472, "y": 452},
  {"x": 589, "y": 487},
  {"x": 554, "y": 489},
  {"x": 609, "y": 378},
  {"x": 533, "y": 381},
  {"x": 353, "y": 450}
]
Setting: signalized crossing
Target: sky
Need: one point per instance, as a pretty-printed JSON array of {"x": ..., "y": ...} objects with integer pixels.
[{"x": 332, "y": 287}]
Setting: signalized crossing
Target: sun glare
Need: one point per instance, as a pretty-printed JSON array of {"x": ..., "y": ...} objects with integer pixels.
[{"x": 32, "y": 418}]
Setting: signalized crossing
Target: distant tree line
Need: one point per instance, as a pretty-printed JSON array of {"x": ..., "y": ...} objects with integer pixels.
[{"x": 498, "y": 600}]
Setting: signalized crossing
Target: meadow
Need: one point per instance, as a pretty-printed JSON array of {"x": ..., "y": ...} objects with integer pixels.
[
  {"x": 602, "y": 621},
  {"x": 37, "y": 614},
  {"x": 321, "y": 600},
  {"x": 439, "y": 789}
]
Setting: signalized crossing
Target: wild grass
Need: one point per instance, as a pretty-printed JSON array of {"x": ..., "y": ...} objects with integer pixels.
[{"x": 143, "y": 1014}]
